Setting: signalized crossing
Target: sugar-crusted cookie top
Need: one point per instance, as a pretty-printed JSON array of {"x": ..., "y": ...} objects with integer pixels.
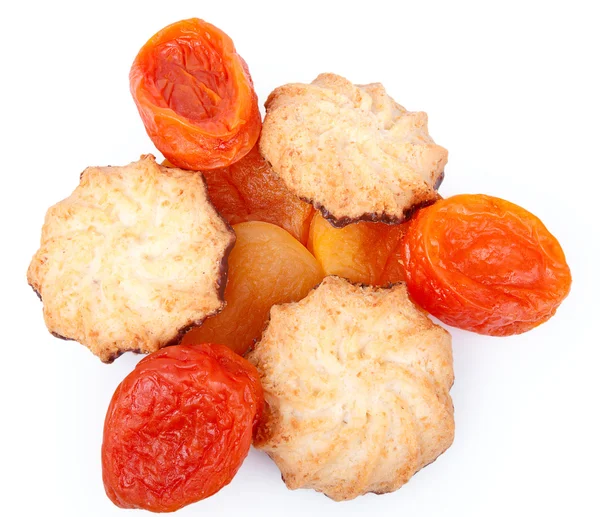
[
  {"x": 356, "y": 382},
  {"x": 351, "y": 150},
  {"x": 134, "y": 256}
]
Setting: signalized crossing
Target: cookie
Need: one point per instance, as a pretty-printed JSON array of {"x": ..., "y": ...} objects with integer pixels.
[
  {"x": 356, "y": 383},
  {"x": 133, "y": 258},
  {"x": 351, "y": 150}
]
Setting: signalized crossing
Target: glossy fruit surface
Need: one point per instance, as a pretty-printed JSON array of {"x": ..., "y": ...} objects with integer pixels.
[
  {"x": 249, "y": 190},
  {"x": 364, "y": 252},
  {"x": 179, "y": 427},
  {"x": 267, "y": 266},
  {"x": 195, "y": 96},
  {"x": 484, "y": 264}
]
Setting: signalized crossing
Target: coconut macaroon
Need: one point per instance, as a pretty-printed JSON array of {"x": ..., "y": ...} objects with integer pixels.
[
  {"x": 351, "y": 151},
  {"x": 134, "y": 257},
  {"x": 356, "y": 383}
]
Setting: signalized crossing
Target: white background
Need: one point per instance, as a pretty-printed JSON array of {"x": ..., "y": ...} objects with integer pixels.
[{"x": 511, "y": 89}]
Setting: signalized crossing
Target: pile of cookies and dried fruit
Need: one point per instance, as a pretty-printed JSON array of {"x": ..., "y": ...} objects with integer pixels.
[{"x": 279, "y": 274}]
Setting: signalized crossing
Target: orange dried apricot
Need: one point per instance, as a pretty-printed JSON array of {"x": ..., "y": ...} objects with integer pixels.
[
  {"x": 362, "y": 252},
  {"x": 249, "y": 190},
  {"x": 267, "y": 266},
  {"x": 195, "y": 96},
  {"x": 179, "y": 427},
  {"x": 394, "y": 267},
  {"x": 484, "y": 264}
]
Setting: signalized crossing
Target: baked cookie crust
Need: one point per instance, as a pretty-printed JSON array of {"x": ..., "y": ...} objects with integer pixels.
[
  {"x": 356, "y": 383},
  {"x": 351, "y": 150},
  {"x": 132, "y": 259}
]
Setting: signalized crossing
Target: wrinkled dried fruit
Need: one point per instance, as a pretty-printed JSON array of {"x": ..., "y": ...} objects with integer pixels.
[
  {"x": 267, "y": 266},
  {"x": 364, "y": 252},
  {"x": 195, "y": 96},
  {"x": 484, "y": 264},
  {"x": 179, "y": 427},
  {"x": 249, "y": 190},
  {"x": 393, "y": 271}
]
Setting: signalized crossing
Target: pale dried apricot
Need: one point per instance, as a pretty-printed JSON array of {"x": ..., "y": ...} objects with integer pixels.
[{"x": 267, "y": 266}]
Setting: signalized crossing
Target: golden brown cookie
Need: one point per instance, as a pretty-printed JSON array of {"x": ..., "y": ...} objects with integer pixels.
[
  {"x": 135, "y": 256},
  {"x": 356, "y": 383},
  {"x": 351, "y": 151}
]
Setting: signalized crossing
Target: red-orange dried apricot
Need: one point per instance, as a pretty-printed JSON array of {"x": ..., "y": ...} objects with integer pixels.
[
  {"x": 195, "y": 96},
  {"x": 249, "y": 190},
  {"x": 484, "y": 264},
  {"x": 363, "y": 252},
  {"x": 179, "y": 427}
]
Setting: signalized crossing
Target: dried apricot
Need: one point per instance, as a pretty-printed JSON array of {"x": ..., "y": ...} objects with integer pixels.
[
  {"x": 249, "y": 190},
  {"x": 362, "y": 252},
  {"x": 393, "y": 271},
  {"x": 267, "y": 266},
  {"x": 179, "y": 427},
  {"x": 195, "y": 96},
  {"x": 484, "y": 264}
]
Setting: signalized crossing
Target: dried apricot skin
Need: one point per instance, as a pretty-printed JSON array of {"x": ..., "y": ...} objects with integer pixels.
[
  {"x": 362, "y": 252},
  {"x": 179, "y": 427},
  {"x": 195, "y": 96},
  {"x": 484, "y": 264},
  {"x": 249, "y": 190},
  {"x": 394, "y": 272},
  {"x": 267, "y": 266}
]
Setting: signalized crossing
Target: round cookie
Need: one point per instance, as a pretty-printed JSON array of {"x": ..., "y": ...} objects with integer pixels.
[
  {"x": 356, "y": 383},
  {"x": 351, "y": 151},
  {"x": 132, "y": 259}
]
